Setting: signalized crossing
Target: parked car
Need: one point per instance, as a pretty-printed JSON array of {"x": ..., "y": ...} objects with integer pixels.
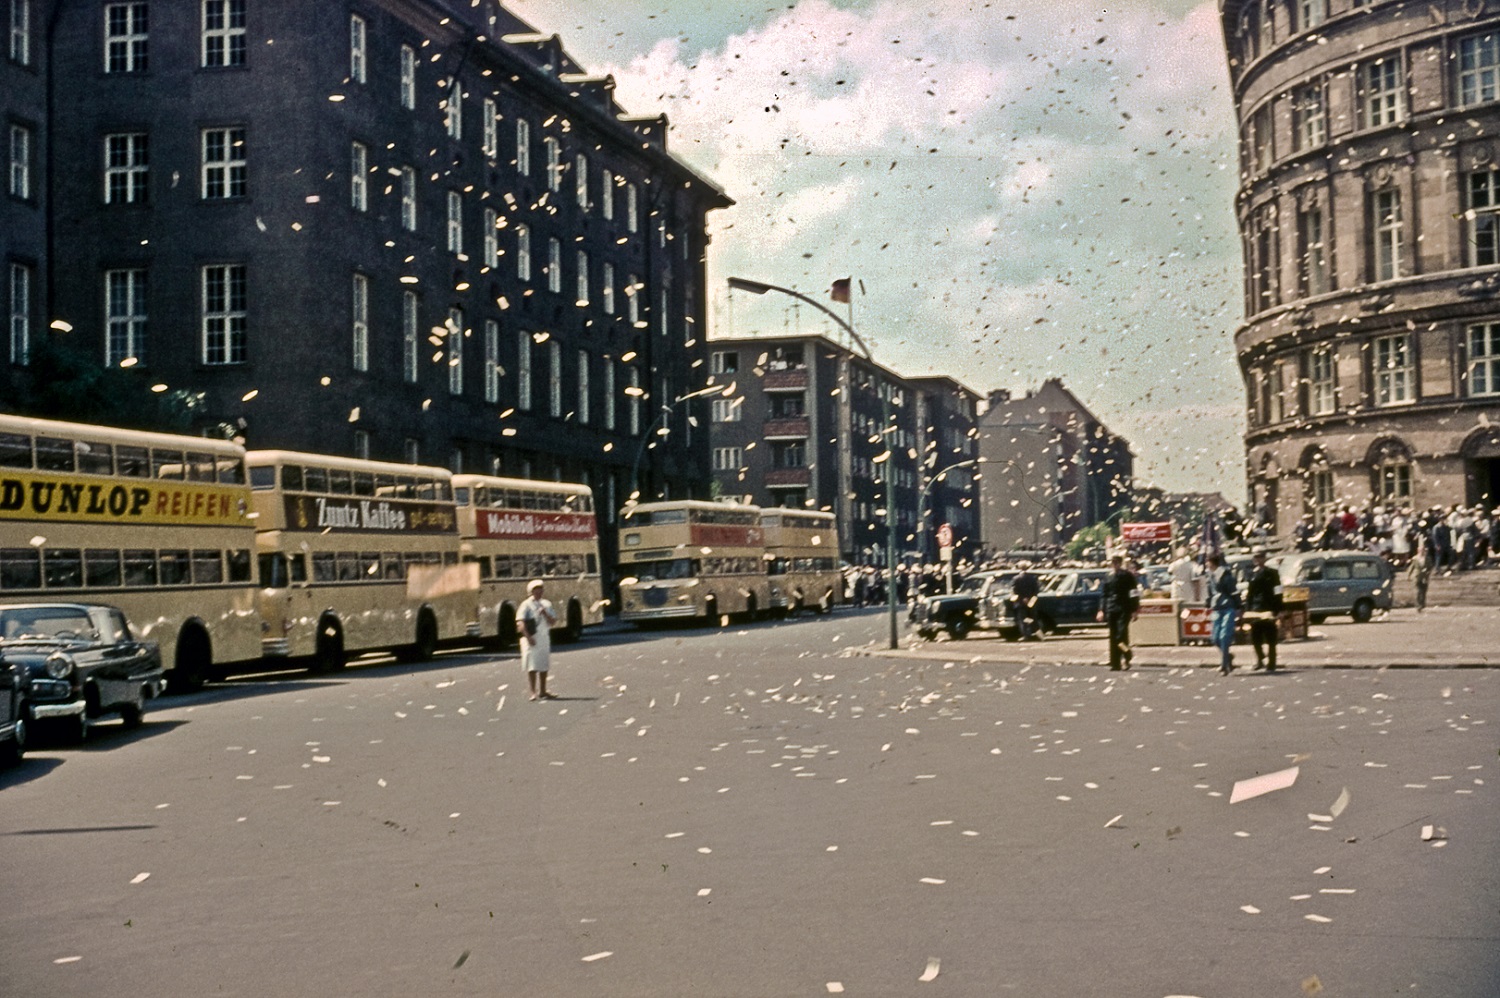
[
  {"x": 1070, "y": 598},
  {"x": 977, "y": 604},
  {"x": 82, "y": 663},
  {"x": 1339, "y": 583},
  {"x": 12, "y": 711}
]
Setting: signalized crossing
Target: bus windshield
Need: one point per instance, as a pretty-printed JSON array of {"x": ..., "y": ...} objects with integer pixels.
[{"x": 670, "y": 568}]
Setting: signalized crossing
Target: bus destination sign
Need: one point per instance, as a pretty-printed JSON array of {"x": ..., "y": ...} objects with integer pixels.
[
  {"x": 534, "y": 526},
  {"x": 39, "y": 497},
  {"x": 328, "y": 514}
]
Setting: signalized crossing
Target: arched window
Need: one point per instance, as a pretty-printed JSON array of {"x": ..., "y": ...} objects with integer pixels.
[{"x": 1391, "y": 472}]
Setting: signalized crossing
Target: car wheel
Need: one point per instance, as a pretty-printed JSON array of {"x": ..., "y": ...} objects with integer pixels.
[
  {"x": 959, "y": 629},
  {"x": 131, "y": 714},
  {"x": 1363, "y": 610},
  {"x": 75, "y": 729},
  {"x": 12, "y": 751},
  {"x": 1316, "y": 618}
]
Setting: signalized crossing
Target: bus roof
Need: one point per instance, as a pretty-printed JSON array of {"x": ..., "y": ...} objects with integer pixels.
[
  {"x": 776, "y": 513},
  {"x": 652, "y": 507},
  {"x": 116, "y": 435},
  {"x": 491, "y": 482},
  {"x": 264, "y": 458}
]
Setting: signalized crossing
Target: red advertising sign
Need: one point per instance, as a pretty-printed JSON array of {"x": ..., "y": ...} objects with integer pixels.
[
  {"x": 530, "y": 526},
  {"x": 1197, "y": 623},
  {"x": 1145, "y": 532},
  {"x": 726, "y": 535}
]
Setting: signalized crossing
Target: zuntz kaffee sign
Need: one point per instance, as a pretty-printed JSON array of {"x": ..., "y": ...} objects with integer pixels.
[
  {"x": 337, "y": 515},
  {"x": 60, "y": 498}
]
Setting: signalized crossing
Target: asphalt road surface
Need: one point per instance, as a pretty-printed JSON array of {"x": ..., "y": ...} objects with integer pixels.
[{"x": 760, "y": 812}]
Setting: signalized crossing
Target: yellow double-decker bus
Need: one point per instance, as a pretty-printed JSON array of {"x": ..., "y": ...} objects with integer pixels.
[
  {"x": 802, "y": 555},
  {"x": 692, "y": 559},
  {"x": 153, "y": 523},
  {"x": 516, "y": 530},
  {"x": 357, "y": 556}
]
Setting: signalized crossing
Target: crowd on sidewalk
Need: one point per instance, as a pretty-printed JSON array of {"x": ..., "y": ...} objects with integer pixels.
[{"x": 1461, "y": 538}]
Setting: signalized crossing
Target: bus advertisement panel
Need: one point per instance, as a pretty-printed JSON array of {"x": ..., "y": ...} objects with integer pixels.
[
  {"x": 155, "y": 524},
  {"x": 516, "y": 530},
  {"x": 692, "y": 559}
]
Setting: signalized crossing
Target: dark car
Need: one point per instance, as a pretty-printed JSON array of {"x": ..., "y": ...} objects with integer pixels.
[
  {"x": 82, "y": 663},
  {"x": 978, "y": 604},
  {"x": 1070, "y": 598},
  {"x": 12, "y": 712}
]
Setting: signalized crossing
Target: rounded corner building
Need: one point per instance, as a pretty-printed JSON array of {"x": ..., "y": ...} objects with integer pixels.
[{"x": 1369, "y": 211}]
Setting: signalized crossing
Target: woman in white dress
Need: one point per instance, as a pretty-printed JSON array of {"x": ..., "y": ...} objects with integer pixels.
[{"x": 534, "y": 620}]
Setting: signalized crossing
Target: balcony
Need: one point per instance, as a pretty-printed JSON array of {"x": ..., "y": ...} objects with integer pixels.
[
  {"x": 788, "y": 478},
  {"x": 793, "y": 380},
  {"x": 788, "y": 428}
]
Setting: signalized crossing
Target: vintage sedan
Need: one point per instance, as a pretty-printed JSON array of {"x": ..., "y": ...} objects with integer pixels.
[
  {"x": 1070, "y": 598},
  {"x": 83, "y": 663},
  {"x": 978, "y": 604}
]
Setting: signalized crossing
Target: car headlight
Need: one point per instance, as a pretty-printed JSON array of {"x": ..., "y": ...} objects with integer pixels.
[{"x": 59, "y": 666}]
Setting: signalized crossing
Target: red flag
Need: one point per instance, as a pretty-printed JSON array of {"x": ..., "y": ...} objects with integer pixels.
[{"x": 840, "y": 290}]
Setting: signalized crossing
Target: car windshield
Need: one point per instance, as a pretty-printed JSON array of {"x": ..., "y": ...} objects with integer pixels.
[
  {"x": 973, "y": 583},
  {"x": 46, "y": 623}
]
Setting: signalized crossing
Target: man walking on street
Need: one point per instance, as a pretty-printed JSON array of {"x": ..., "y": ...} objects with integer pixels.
[
  {"x": 1121, "y": 602},
  {"x": 1224, "y": 601},
  {"x": 1262, "y": 604},
  {"x": 1024, "y": 589},
  {"x": 534, "y": 621},
  {"x": 1420, "y": 571}
]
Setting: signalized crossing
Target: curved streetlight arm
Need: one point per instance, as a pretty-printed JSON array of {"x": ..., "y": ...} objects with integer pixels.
[
  {"x": 666, "y": 411},
  {"x": 759, "y": 288},
  {"x": 927, "y": 489}
]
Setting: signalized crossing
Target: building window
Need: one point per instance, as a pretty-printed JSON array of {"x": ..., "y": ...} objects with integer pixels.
[
  {"x": 126, "y": 159},
  {"x": 1312, "y": 251},
  {"x": 523, "y": 371},
  {"x": 358, "y": 53},
  {"x": 489, "y": 129},
  {"x": 523, "y": 147},
  {"x": 410, "y": 450},
  {"x": 125, "y": 305},
  {"x": 1263, "y": 261},
  {"x": 224, "y": 314},
  {"x": 359, "y": 318},
  {"x": 408, "y": 199},
  {"x": 362, "y": 444},
  {"x": 583, "y": 278},
  {"x": 1383, "y": 91},
  {"x": 1321, "y": 383},
  {"x": 585, "y": 403},
  {"x": 1320, "y": 492},
  {"x": 1484, "y": 359},
  {"x": 523, "y": 253},
  {"x": 728, "y": 458},
  {"x": 1272, "y": 406},
  {"x": 607, "y": 194},
  {"x": 20, "y": 31},
  {"x": 20, "y": 162},
  {"x": 1386, "y": 211},
  {"x": 1478, "y": 69},
  {"x": 1262, "y": 149},
  {"x": 554, "y": 371},
  {"x": 554, "y": 163},
  {"x": 635, "y": 393},
  {"x": 359, "y": 170},
  {"x": 789, "y": 454},
  {"x": 223, "y": 33},
  {"x": 1309, "y": 119},
  {"x": 632, "y": 209},
  {"x": 608, "y": 395},
  {"x": 1393, "y": 370},
  {"x": 581, "y": 180},
  {"x": 1311, "y": 13},
  {"x": 491, "y": 361},
  {"x": 455, "y": 222},
  {"x": 125, "y": 38},
  {"x": 223, "y": 163},
  {"x": 456, "y": 331},
  {"x": 20, "y": 313},
  {"x": 1395, "y": 481},
  {"x": 607, "y": 287},
  {"x": 410, "y": 342},
  {"x": 727, "y": 410},
  {"x": 453, "y": 110},
  {"x": 408, "y": 77},
  {"x": 1483, "y": 216},
  {"x": 633, "y": 301},
  {"x": 554, "y": 266}
]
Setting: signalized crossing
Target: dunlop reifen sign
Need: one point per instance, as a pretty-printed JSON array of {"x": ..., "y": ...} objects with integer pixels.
[{"x": 76, "y": 499}]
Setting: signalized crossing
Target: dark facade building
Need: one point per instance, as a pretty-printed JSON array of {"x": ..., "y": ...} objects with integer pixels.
[
  {"x": 804, "y": 425},
  {"x": 409, "y": 230},
  {"x": 1051, "y": 467},
  {"x": 24, "y": 206},
  {"x": 1369, "y": 208}
]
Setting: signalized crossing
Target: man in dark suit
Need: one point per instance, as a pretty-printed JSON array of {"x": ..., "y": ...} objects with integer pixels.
[
  {"x": 1121, "y": 602},
  {"x": 1262, "y": 604},
  {"x": 1024, "y": 589}
]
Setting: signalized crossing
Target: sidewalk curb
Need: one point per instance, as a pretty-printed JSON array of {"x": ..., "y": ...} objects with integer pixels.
[{"x": 919, "y": 655}]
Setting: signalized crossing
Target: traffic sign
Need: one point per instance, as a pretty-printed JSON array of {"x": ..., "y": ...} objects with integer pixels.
[{"x": 945, "y": 536}]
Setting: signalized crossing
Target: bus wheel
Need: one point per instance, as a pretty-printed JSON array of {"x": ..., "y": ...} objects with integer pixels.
[
  {"x": 711, "y": 612},
  {"x": 505, "y": 627},
  {"x": 330, "y": 654},
  {"x": 574, "y": 629},
  {"x": 193, "y": 661},
  {"x": 752, "y": 609},
  {"x": 427, "y": 637}
]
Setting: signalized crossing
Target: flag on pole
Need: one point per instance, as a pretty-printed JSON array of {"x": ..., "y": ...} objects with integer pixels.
[{"x": 840, "y": 290}]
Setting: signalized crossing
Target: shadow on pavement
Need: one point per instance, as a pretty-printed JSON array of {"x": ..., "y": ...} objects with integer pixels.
[{"x": 28, "y": 770}]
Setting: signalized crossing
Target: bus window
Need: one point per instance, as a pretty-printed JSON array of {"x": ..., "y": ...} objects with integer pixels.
[
  {"x": 96, "y": 459},
  {"x": 384, "y": 484},
  {"x": 348, "y": 566},
  {"x": 238, "y": 560},
  {"x": 463, "y": 496},
  {"x": 101, "y": 568},
  {"x": 502, "y": 566},
  {"x": 200, "y": 467},
  {"x": 391, "y": 561},
  {"x": 369, "y": 566},
  {"x": 314, "y": 479},
  {"x": 63, "y": 569},
  {"x": 133, "y": 462},
  {"x": 406, "y": 487},
  {"x": 175, "y": 570},
  {"x": 15, "y": 450},
  {"x": 166, "y": 464},
  {"x": 450, "y": 557},
  {"x": 140, "y": 568},
  {"x": 20, "y": 568},
  {"x": 291, "y": 477},
  {"x": 298, "y": 564},
  {"x": 324, "y": 568},
  {"x": 54, "y": 454},
  {"x": 273, "y": 570},
  {"x": 208, "y": 567},
  {"x": 592, "y": 563},
  {"x": 231, "y": 471},
  {"x": 340, "y": 482},
  {"x": 263, "y": 477},
  {"x": 364, "y": 483}
]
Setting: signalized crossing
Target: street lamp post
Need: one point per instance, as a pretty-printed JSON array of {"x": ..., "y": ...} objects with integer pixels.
[
  {"x": 887, "y": 478},
  {"x": 661, "y": 417},
  {"x": 922, "y": 504}
]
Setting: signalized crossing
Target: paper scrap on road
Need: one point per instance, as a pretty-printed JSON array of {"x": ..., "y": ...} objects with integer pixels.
[
  {"x": 930, "y": 974},
  {"x": 1249, "y": 909},
  {"x": 1257, "y": 786},
  {"x": 834, "y": 987},
  {"x": 463, "y": 958},
  {"x": 1431, "y": 832},
  {"x": 1340, "y": 804},
  {"x": 933, "y": 880},
  {"x": 1317, "y": 918},
  {"x": 1114, "y": 822},
  {"x": 139, "y": 878},
  {"x": 1312, "y": 986},
  {"x": 598, "y": 956},
  {"x": 67, "y": 959}
]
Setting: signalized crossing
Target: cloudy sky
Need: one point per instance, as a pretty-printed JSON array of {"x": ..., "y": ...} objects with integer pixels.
[{"x": 1025, "y": 190}]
